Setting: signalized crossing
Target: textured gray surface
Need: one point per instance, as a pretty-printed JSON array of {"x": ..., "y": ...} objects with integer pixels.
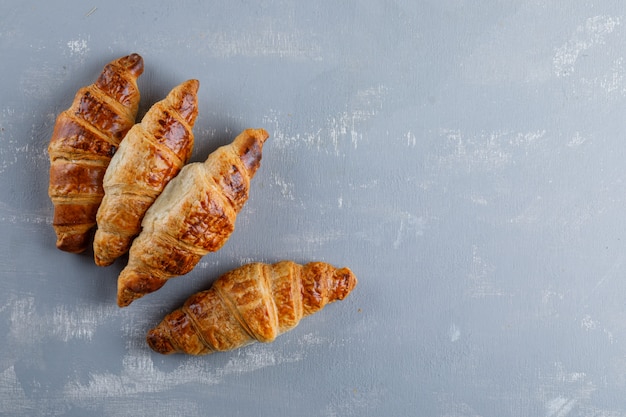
[{"x": 465, "y": 159}]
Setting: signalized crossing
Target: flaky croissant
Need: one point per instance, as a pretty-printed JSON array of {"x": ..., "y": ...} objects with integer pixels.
[
  {"x": 84, "y": 139},
  {"x": 255, "y": 302},
  {"x": 194, "y": 215},
  {"x": 151, "y": 154}
]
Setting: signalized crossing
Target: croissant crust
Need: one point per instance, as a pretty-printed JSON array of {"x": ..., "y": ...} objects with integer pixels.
[
  {"x": 256, "y": 302},
  {"x": 194, "y": 215},
  {"x": 84, "y": 140},
  {"x": 151, "y": 154}
]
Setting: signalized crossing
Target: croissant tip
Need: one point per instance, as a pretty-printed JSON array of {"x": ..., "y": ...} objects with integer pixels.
[
  {"x": 70, "y": 249},
  {"x": 258, "y": 134},
  {"x": 261, "y": 134},
  {"x": 133, "y": 284},
  {"x": 133, "y": 62},
  {"x": 125, "y": 297},
  {"x": 102, "y": 261},
  {"x": 193, "y": 84},
  {"x": 158, "y": 342},
  {"x": 345, "y": 281},
  {"x": 72, "y": 243}
]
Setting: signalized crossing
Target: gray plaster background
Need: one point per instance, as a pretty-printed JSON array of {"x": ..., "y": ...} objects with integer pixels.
[{"x": 466, "y": 159}]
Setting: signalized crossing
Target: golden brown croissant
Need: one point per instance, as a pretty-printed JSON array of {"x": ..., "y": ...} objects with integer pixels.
[
  {"x": 255, "y": 302},
  {"x": 194, "y": 215},
  {"x": 151, "y": 154},
  {"x": 84, "y": 139}
]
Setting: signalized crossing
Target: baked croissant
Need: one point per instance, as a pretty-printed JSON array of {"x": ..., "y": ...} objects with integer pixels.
[
  {"x": 84, "y": 139},
  {"x": 255, "y": 302},
  {"x": 194, "y": 215},
  {"x": 151, "y": 154}
]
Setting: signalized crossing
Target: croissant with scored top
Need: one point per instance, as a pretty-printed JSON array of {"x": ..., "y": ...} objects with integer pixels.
[
  {"x": 255, "y": 302},
  {"x": 84, "y": 140},
  {"x": 151, "y": 154},
  {"x": 194, "y": 215}
]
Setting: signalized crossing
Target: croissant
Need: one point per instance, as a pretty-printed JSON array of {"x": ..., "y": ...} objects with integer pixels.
[
  {"x": 255, "y": 302},
  {"x": 84, "y": 139},
  {"x": 194, "y": 215},
  {"x": 151, "y": 154}
]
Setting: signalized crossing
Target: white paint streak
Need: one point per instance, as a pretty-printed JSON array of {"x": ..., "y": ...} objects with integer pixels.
[
  {"x": 41, "y": 81},
  {"x": 354, "y": 402},
  {"x": 280, "y": 138},
  {"x": 77, "y": 322},
  {"x": 451, "y": 406},
  {"x": 8, "y": 151},
  {"x": 411, "y": 141},
  {"x": 532, "y": 213},
  {"x": 592, "y": 33},
  {"x": 367, "y": 103},
  {"x": 613, "y": 81},
  {"x": 257, "y": 357},
  {"x": 337, "y": 130},
  {"x": 261, "y": 41},
  {"x": 577, "y": 140},
  {"x": 139, "y": 374},
  {"x": 587, "y": 323},
  {"x": 560, "y": 407},
  {"x": 485, "y": 151},
  {"x": 372, "y": 184},
  {"x": 410, "y": 226},
  {"x": 344, "y": 127},
  {"x": 315, "y": 239},
  {"x": 25, "y": 325},
  {"x": 23, "y": 218},
  {"x": 481, "y": 277},
  {"x": 564, "y": 391},
  {"x": 13, "y": 400},
  {"x": 548, "y": 297},
  {"x": 16, "y": 147},
  {"x": 604, "y": 78},
  {"x": 78, "y": 47},
  {"x": 286, "y": 188},
  {"x": 454, "y": 333},
  {"x": 479, "y": 200},
  {"x": 248, "y": 260},
  {"x": 311, "y": 339}
]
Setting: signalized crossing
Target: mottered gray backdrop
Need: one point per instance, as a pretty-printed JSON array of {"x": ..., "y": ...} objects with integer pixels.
[{"x": 464, "y": 159}]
